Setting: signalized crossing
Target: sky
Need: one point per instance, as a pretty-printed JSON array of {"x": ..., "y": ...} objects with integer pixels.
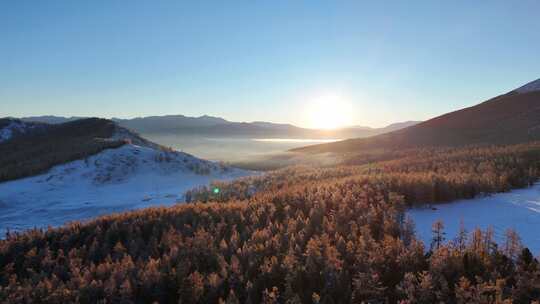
[{"x": 372, "y": 63}]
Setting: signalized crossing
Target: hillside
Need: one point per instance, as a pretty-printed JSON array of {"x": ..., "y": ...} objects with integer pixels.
[
  {"x": 113, "y": 180},
  {"x": 36, "y": 152},
  {"x": 507, "y": 119},
  {"x": 89, "y": 167}
]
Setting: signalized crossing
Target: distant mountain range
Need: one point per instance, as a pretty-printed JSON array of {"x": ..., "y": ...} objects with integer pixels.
[
  {"x": 216, "y": 126},
  {"x": 510, "y": 118}
]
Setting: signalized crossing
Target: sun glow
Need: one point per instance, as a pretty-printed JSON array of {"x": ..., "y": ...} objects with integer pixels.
[{"x": 329, "y": 112}]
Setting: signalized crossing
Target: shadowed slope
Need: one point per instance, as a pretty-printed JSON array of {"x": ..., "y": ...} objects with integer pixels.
[{"x": 37, "y": 152}]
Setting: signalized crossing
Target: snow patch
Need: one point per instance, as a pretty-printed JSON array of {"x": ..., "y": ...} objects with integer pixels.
[
  {"x": 114, "y": 180},
  {"x": 529, "y": 87},
  {"x": 15, "y": 127},
  {"x": 518, "y": 210},
  {"x": 5, "y": 134}
]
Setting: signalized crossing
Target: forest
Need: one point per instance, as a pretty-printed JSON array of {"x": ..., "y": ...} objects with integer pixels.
[
  {"x": 329, "y": 234},
  {"x": 427, "y": 175}
]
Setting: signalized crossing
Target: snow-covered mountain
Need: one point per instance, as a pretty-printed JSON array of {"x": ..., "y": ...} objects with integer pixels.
[{"x": 135, "y": 175}]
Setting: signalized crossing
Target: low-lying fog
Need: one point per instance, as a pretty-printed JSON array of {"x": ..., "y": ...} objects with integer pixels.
[
  {"x": 231, "y": 149},
  {"x": 251, "y": 153}
]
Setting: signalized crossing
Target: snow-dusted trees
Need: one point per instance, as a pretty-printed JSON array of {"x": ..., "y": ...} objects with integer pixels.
[{"x": 512, "y": 245}]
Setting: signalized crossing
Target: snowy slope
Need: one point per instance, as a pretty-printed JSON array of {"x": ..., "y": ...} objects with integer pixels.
[
  {"x": 16, "y": 127},
  {"x": 114, "y": 180},
  {"x": 529, "y": 87},
  {"x": 121, "y": 133},
  {"x": 518, "y": 210}
]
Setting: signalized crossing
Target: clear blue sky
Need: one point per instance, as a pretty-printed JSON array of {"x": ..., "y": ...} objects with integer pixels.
[{"x": 262, "y": 60}]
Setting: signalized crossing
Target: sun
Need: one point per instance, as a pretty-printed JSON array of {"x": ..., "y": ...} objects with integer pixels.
[{"x": 329, "y": 112}]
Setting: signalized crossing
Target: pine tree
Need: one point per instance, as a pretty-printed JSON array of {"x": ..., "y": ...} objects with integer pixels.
[
  {"x": 438, "y": 235},
  {"x": 462, "y": 237},
  {"x": 512, "y": 245}
]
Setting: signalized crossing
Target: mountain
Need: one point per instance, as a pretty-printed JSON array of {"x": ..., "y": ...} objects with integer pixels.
[
  {"x": 210, "y": 126},
  {"x": 213, "y": 126},
  {"x": 169, "y": 123},
  {"x": 510, "y": 118},
  {"x": 84, "y": 168},
  {"x": 265, "y": 124}
]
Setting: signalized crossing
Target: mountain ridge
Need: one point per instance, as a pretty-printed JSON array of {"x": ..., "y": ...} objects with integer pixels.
[{"x": 529, "y": 87}]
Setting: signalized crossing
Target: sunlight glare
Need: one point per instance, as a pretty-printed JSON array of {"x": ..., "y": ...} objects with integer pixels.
[{"x": 330, "y": 111}]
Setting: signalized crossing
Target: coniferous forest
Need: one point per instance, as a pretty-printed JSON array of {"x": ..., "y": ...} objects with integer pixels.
[{"x": 335, "y": 234}]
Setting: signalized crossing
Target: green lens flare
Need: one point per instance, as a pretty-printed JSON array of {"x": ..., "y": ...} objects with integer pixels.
[{"x": 216, "y": 190}]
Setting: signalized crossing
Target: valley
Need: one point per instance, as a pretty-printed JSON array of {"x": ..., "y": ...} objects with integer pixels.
[
  {"x": 335, "y": 220},
  {"x": 232, "y": 149}
]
